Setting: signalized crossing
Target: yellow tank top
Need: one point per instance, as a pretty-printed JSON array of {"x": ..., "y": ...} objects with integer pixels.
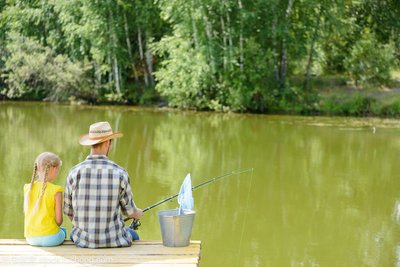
[{"x": 43, "y": 222}]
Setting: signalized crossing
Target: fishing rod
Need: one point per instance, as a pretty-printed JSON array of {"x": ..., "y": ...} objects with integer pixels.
[{"x": 136, "y": 223}]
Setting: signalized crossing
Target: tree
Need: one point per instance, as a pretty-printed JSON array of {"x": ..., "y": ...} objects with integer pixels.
[{"x": 203, "y": 54}]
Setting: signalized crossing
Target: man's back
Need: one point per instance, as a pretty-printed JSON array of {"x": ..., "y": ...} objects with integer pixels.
[{"x": 96, "y": 190}]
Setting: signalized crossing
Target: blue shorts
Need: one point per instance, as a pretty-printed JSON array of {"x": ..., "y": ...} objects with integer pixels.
[{"x": 48, "y": 240}]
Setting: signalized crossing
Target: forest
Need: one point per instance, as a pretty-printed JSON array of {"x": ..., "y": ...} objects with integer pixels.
[{"x": 258, "y": 56}]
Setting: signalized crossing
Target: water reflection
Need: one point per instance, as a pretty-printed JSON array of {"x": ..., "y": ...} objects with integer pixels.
[
  {"x": 324, "y": 191},
  {"x": 396, "y": 212}
]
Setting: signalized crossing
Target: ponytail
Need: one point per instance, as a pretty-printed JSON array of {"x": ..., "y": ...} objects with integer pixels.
[
  {"x": 37, "y": 205},
  {"x": 27, "y": 196}
]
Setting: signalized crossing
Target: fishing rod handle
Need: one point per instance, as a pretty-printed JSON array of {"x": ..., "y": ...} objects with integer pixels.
[{"x": 135, "y": 224}]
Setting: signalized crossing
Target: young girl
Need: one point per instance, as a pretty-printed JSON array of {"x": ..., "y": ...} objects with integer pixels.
[{"x": 43, "y": 203}]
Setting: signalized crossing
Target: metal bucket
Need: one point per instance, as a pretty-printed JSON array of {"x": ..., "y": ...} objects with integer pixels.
[{"x": 176, "y": 229}]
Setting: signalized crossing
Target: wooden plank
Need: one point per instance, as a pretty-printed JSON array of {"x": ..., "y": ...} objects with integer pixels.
[
  {"x": 99, "y": 259},
  {"x": 136, "y": 250},
  {"x": 142, "y": 253},
  {"x": 69, "y": 242},
  {"x": 105, "y": 265}
]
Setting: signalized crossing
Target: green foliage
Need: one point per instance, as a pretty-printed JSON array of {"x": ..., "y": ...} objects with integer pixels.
[
  {"x": 361, "y": 106},
  {"x": 113, "y": 98},
  {"x": 391, "y": 109},
  {"x": 253, "y": 87},
  {"x": 35, "y": 71},
  {"x": 357, "y": 105},
  {"x": 257, "y": 56},
  {"x": 139, "y": 95},
  {"x": 184, "y": 76},
  {"x": 149, "y": 97},
  {"x": 370, "y": 62}
]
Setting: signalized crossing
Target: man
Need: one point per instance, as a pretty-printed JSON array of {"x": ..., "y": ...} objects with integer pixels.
[{"x": 96, "y": 192}]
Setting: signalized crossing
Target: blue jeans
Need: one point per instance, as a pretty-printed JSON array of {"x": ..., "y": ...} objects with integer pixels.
[
  {"x": 132, "y": 232},
  {"x": 48, "y": 240}
]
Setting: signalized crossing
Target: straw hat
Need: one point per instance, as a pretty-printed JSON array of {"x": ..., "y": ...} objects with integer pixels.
[{"x": 98, "y": 133}]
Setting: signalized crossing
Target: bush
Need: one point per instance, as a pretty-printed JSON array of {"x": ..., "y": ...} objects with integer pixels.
[
  {"x": 135, "y": 93},
  {"x": 391, "y": 110},
  {"x": 361, "y": 106},
  {"x": 357, "y": 105},
  {"x": 370, "y": 61},
  {"x": 35, "y": 72}
]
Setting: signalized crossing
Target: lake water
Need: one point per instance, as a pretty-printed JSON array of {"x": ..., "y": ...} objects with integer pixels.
[{"x": 324, "y": 192}]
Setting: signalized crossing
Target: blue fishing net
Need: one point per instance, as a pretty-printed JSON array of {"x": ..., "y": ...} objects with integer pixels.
[{"x": 185, "y": 198}]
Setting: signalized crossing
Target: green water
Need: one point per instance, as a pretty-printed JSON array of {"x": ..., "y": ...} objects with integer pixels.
[{"x": 324, "y": 191}]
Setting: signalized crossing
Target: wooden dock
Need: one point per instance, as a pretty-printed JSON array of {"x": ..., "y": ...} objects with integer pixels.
[{"x": 16, "y": 252}]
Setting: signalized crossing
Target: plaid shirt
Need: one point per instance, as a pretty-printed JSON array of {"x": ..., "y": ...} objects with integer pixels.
[{"x": 96, "y": 190}]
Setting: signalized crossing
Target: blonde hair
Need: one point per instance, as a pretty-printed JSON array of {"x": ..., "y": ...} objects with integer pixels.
[{"x": 44, "y": 161}]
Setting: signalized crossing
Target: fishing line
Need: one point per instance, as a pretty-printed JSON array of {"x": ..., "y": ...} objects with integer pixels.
[{"x": 245, "y": 218}]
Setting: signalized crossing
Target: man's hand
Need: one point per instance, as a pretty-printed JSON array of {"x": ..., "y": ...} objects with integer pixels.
[{"x": 137, "y": 214}]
